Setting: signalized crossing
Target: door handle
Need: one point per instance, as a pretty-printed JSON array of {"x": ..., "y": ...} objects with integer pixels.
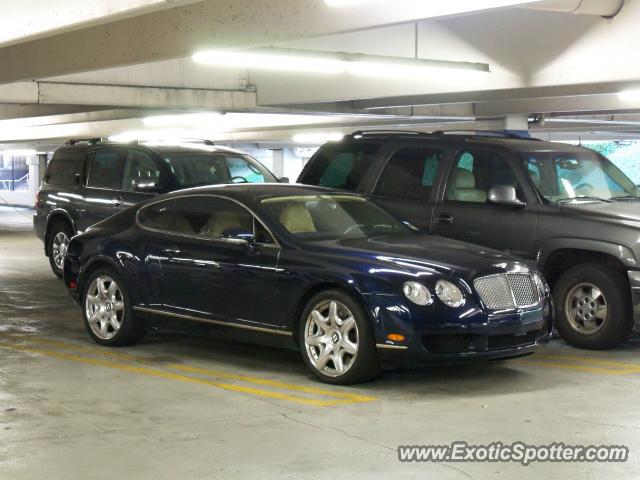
[
  {"x": 118, "y": 201},
  {"x": 445, "y": 219},
  {"x": 171, "y": 251}
]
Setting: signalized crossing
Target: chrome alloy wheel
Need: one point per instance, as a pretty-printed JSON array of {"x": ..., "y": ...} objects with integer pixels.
[
  {"x": 331, "y": 338},
  {"x": 59, "y": 249},
  {"x": 586, "y": 308},
  {"x": 104, "y": 307}
]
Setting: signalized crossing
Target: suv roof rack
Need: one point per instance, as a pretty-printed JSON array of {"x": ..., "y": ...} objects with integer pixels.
[
  {"x": 364, "y": 133},
  {"x": 484, "y": 133},
  {"x": 90, "y": 141}
]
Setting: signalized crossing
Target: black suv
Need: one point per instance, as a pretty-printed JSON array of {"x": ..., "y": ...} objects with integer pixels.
[
  {"x": 566, "y": 207},
  {"x": 89, "y": 180}
]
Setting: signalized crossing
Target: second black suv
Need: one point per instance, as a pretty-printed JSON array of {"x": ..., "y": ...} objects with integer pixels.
[
  {"x": 566, "y": 207},
  {"x": 89, "y": 180}
]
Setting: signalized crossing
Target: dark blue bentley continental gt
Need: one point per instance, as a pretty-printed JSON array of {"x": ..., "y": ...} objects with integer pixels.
[{"x": 327, "y": 272}]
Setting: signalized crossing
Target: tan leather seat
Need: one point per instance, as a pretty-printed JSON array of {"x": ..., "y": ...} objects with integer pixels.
[
  {"x": 464, "y": 188},
  {"x": 182, "y": 225},
  {"x": 221, "y": 221},
  {"x": 297, "y": 219}
]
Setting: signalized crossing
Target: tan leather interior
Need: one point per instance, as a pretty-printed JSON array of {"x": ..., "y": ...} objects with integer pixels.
[
  {"x": 464, "y": 188},
  {"x": 182, "y": 225},
  {"x": 222, "y": 221},
  {"x": 297, "y": 219}
]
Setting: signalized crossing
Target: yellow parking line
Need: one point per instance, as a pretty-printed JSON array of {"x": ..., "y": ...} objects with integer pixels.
[
  {"x": 271, "y": 383},
  {"x": 595, "y": 361},
  {"x": 177, "y": 377}
]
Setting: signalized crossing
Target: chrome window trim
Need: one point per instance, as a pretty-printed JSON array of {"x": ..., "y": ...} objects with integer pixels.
[
  {"x": 275, "y": 243},
  {"x": 155, "y": 311}
]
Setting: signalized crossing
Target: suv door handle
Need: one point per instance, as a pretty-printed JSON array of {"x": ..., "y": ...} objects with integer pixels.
[
  {"x": 446, "y": 219},
  {"x": 118, "y": 201}
]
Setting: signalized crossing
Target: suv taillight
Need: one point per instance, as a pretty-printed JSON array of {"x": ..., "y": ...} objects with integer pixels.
[{"x": 39, "y": 201}]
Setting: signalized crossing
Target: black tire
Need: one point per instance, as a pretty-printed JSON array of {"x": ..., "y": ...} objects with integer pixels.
[
  {"x": 59, "y": 227},
  {"x": 618, "y": 321},
  {"x": 131, "y": 329},
  {"x": 364, "y": 365}
]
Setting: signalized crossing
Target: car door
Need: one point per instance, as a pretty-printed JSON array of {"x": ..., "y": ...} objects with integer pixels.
[
  {"x": 103, "y": 187},
  {"x": 140, "y": 171},
  {"x": 405, "y": 187},
  {"x": 465, "y": 213},
  {"x": 207, "y": 275}
]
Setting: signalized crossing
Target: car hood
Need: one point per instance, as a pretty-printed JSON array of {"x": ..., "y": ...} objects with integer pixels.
[
  {"x": 421, "y": 252},
  {"x": 627, "y": 212}
]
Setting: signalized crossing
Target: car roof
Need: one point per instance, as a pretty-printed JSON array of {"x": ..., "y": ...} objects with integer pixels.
[
  {"x": 253, "y": 191},
  {"x": 160, "y": 149}
]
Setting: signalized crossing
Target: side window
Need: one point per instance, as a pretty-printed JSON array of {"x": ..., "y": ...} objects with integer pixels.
[
  {"x": 477, "y": 172},
  {"x": 209, "y": 217},
  {"x": 410, "y": 173},
  {"x": 105, "y": 169},
  {"x": 341, "y": 165},
  {"x": 64, "y": 168},
  {"x": 139, "y": 167},
  {"x": 156, "y": 216},
  {"x": 242, "y": 171}
]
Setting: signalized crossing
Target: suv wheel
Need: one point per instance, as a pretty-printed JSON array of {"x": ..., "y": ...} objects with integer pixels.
[
  {"x": 592, "y": 307},
  {"x": 107, "y": 311},
  {"x": 59, "y": 237},
  {"x": 336, "y": 340}
]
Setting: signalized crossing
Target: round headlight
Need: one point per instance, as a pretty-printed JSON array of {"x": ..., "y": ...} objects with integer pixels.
[
  {"x": 417, "y": 293},
  {"x": 449, "y": 294}
]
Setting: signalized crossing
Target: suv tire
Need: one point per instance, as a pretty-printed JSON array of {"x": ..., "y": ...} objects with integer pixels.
[
  {"x": 58, "y": 241},
  {"x": 592, "y": 307}
]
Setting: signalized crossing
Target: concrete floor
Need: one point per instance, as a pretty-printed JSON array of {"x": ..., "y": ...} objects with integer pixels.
[{"x": 182, "y": 407}]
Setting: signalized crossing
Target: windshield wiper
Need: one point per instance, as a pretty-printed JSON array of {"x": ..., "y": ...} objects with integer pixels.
[
  {"x": 625, "y": 197},
  {"x": 583, "y": 197}
]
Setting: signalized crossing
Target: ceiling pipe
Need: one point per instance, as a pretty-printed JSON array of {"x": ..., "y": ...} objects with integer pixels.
[{"x": 602, "y": 8}]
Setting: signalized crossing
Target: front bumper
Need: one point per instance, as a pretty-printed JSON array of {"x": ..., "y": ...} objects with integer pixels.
[{"x": 480, "y": 336}]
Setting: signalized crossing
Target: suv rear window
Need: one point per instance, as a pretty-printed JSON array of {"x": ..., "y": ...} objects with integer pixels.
[
  {"x": 64, "y": 166},
  {"x": 341, "y": 165}
]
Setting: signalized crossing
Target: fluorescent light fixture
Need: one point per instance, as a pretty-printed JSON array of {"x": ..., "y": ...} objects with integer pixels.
[
  {"x": 19, "y": 153},
  {"x": 266, "y": 61},
  {"x": 317, "y": 138},
  {"x": 629, "y": 95},
  {"x": 197, "y": 119},
  {"x": 314, "y": 61}
]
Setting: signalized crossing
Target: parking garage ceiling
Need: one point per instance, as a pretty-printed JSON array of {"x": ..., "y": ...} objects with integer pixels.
[{"x": 560, "y": 67}]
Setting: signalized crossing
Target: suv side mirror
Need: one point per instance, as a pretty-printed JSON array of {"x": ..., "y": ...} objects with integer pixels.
[
  {"x": 142, "y": 184},
  {"x": 505, "y": 195},
  {"x": 284, "y": 180},
  {"x": 240, "y": 236}
]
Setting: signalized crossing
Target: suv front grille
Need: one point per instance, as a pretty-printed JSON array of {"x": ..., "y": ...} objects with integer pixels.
[{"x": 507, "y": 291}]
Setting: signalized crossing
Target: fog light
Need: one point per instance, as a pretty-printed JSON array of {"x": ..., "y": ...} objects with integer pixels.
[{"x": 396, "y": 337}]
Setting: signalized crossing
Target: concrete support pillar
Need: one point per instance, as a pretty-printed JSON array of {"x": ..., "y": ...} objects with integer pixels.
[
  {"x": 37, "y": 166},
  {"x": 278, "y": 162}
]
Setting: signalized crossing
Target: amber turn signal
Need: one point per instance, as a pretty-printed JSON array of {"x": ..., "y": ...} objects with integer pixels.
[{"x": 396, "y": 337}]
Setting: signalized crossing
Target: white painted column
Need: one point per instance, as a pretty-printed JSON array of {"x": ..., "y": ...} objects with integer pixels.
[{"x": 278, "y": 162}]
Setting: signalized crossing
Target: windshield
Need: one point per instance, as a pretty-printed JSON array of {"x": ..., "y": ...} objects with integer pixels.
[
  {"x": 196, "y": 169},
  {"x": 329, "y": 217},
  {"x": 571, "y": 176}
]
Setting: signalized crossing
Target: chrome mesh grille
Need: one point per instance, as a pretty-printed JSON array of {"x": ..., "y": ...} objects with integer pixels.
[{"x": 506, "y": 291}]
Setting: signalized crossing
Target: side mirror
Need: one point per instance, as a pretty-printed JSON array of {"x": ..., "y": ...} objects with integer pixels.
[
  {"x": 240, "y": 236},
  {"x": 142, "y": 184},
  {"x": 284, "y": 180},
  {"x": 505, "y": 195}
]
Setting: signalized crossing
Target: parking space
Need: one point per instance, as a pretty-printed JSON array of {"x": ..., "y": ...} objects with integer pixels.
[{"x": 73, "y": 409}]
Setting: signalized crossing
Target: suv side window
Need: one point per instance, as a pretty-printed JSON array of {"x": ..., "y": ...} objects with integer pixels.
[
  {"x": 341, "y": 165},
  {"x": 410, "y": 173},
  {"x": 64, "y": 168},
  {"x": 157, "y": 216},
  {"x": 105, "y": 169},
  {"x": 475, "y": 173},
  {"x": 209, "y": 217},
  {"x": 139, "y": 167}
]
